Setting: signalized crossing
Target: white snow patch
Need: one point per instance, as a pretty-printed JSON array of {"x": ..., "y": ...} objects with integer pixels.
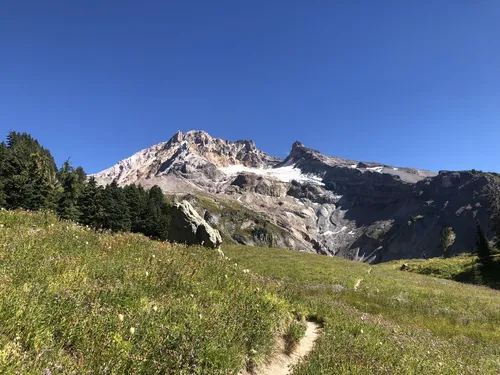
[
  {"x": 376, "y": 169},
  {"x": 395, "y": 169},
  {"x": 285, "y": 174},
  {"x": 353, "y": 166},
  {"x": 351, "y": 233}
]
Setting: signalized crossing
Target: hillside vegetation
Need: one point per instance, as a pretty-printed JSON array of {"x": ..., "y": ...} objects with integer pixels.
[
  {"x": 379, "y": 320},
  {"x": 463, "y": 268},
  {"x": 75, "y": 301}
]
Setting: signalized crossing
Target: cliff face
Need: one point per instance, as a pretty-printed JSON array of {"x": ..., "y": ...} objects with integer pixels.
[{"x": 359, "y": 210}]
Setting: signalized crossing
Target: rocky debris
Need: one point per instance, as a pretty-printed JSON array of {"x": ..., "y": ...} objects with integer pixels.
[
  {"x": 259, "y": 185},
  {"x": 188, "y": 227},
  {"x": 211, "y": 218},
  {"x": 404, "y": 267}
]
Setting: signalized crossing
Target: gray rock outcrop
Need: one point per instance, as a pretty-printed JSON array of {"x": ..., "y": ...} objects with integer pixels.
[{"x": 190, "y": 228}]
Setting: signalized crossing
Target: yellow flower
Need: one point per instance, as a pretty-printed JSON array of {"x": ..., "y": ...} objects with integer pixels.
[{"x": 121, "y": 317}]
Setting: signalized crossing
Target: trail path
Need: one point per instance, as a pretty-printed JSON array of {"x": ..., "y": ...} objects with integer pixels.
[{"x": 280, "y": 364}]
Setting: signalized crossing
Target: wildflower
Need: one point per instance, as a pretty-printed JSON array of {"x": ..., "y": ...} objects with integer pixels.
[
  {"x": 86, "y": 242},
  {"x": 192, "y": 295},
  {"x": 358, "y": 283},
  {"x": 253, "y": 351},
  {"x": 121, "y": 317},
  {"x": 225, "y": 276},
  {"x": 147, "y": 273},
  {"x": 155, "y": 308},
  {"x": 132, "y": 330},
  {"x": 236, "y": 264},
  {"x": 362, "y": 331}
]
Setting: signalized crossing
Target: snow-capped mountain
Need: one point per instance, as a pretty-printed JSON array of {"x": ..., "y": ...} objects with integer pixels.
[{"x": 313, "y": 202}]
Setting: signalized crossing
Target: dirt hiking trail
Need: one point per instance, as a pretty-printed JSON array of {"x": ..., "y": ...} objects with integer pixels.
[{"x": 280, "y": 363}]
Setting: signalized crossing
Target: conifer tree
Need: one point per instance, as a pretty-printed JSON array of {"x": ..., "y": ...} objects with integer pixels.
[
  {"x": 72, "y": 186},
  {"x": 115, "y": 213},
  {"x": 89, "y": 204},
  {"x": 29, "y": 175},
  {"x": 483, "y": 250},
  {"x": 137, "y": 202}
]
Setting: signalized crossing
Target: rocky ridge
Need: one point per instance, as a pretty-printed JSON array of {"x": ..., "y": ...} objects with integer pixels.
[{"x": 309, "y": 201}]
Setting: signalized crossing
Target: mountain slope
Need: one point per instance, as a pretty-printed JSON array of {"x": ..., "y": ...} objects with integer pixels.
[{"x": 358, "y": 210}]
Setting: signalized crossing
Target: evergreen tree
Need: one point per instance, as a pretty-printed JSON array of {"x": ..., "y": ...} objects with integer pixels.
[
  {"x": 157, "y": 216},
  {"x": 72, "y": 186},
  {"x": 137, "y": 202},
  {"x": 89, "y": 204},
  {"x": 28, "y": 174},
  {"x": 3, "y": 161},
  {"x": 483, "y": 249},
  {"x": 115, "y": 213}
]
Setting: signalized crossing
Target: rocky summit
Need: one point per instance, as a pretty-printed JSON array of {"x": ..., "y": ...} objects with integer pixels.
[{"x": 363, "y": 211}]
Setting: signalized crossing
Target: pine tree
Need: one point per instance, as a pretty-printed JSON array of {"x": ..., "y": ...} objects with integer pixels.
[
  {"x": 3, "y": 161},
  {"x": 72, "y": 186},
  {"x": 29, "y": 174},
  {"x": 157, "y": 216},
  {"x": 137, "y": 203},
  {"x": 89, "y": 204},
  {"x": 483, "y": 250},
  {"x": 115, "y": 214}
]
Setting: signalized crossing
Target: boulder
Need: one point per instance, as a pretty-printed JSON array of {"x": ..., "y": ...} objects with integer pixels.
[{"x": 189, "y": 227}]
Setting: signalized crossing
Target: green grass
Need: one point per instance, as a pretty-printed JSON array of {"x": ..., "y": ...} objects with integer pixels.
[
  {"x": 393, "y": 323},
  {"x": 461, "y": 268},
  {"x": 73, "y": 301},
  {"x": 77, "y": 302}
]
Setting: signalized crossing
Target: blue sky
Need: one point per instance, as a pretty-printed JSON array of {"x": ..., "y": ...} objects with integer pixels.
[{"x": 408, "y": 83}]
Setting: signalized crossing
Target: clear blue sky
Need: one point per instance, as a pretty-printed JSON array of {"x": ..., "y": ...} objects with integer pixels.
[{"x": 408, "y": 83}]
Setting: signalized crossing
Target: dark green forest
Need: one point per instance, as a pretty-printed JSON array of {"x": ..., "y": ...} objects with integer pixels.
[{"x": 30, "y": 180}]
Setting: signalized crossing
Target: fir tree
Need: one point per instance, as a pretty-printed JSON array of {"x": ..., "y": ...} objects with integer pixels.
[
  {"x": 483, "y": 250},
  {"x": 157, "y": 216},
  {"x": 115, "y": 213},
  {"x": 137, "y": 202},
  {"x": 72, "y": 186},
  {"x": 89, "y": 204},
  {"x": 29, "y": 174}
]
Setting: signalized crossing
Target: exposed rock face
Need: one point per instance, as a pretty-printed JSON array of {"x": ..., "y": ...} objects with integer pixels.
[
  {"x": 188, "y": 227},
  {"x": 363, "y": 211}
]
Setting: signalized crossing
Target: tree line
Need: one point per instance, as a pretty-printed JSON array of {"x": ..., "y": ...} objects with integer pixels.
[{"x": 30, "y": 179}]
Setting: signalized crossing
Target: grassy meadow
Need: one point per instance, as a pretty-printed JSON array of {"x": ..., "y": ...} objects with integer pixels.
[{"x": 75, "y": 301}]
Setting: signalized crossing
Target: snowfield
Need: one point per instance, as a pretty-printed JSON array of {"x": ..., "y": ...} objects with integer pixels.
[{"x": 284, "y": 174}]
